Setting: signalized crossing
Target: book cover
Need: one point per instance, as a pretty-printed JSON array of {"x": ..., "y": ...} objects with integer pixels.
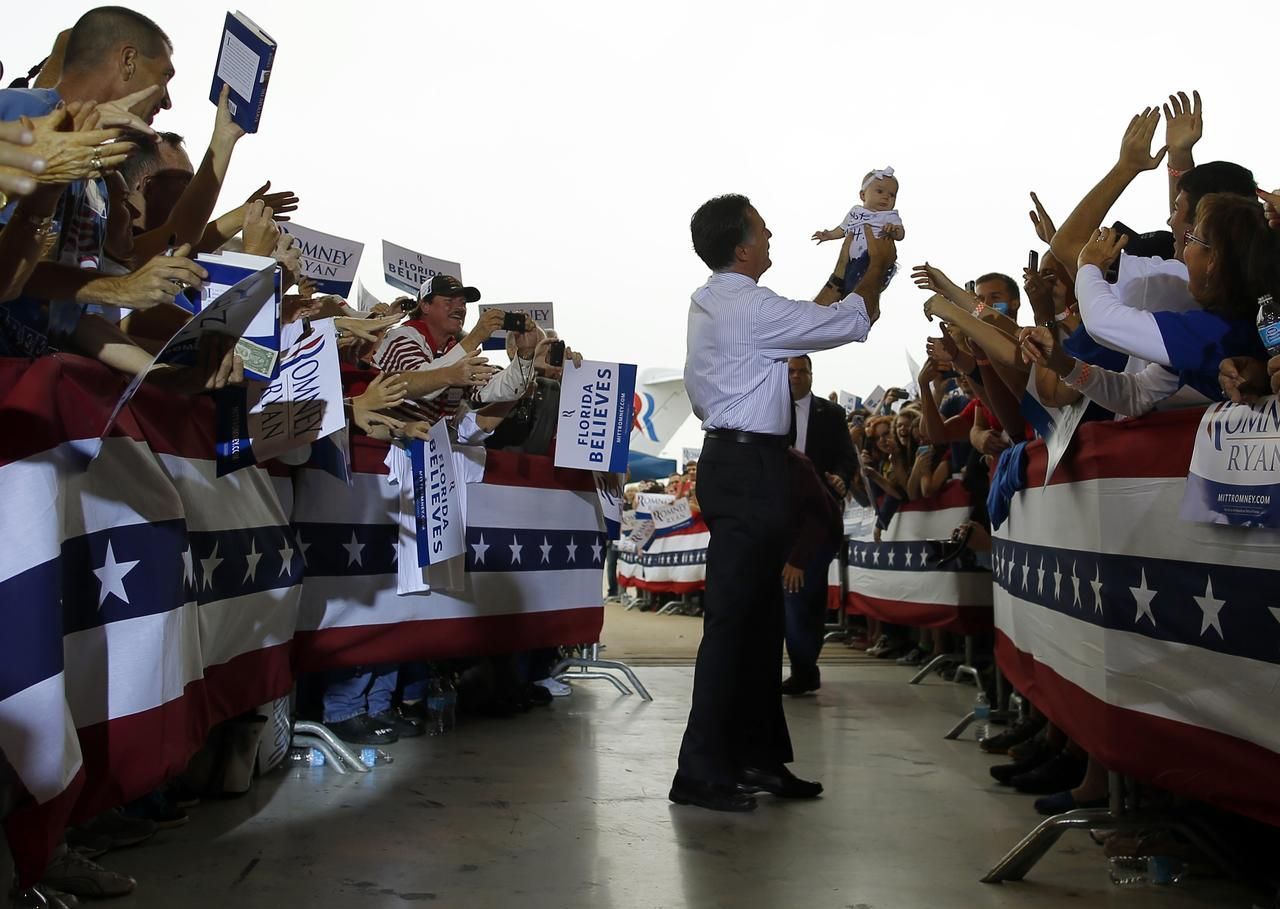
[{"x": 245, "y": 58}]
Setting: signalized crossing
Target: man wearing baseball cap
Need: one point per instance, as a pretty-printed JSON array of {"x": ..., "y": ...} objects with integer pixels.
[{"x": 433, "y": 339}]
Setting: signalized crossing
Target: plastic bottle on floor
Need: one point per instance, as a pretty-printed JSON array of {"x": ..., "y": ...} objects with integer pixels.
[
  {"x": 1139, "y": 871},
  {"x": 982, "y": 715},
  {"x": 306, "y": 757},
  {"x": 372, "y": 757},
  {"x": 436, "y": 705}
]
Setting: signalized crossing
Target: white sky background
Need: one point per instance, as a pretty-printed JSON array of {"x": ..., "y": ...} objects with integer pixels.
[{"x": 557, "y": 150}]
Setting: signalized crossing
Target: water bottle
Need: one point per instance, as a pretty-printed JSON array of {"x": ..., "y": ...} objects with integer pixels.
[
  {"x": 1269, "y": 324},
  {"x": 436, "y": 705},
  {"x": 372, "y": 757},
  {"x": 450, "y": 713},
  {"x": 306, "y": 757},
  {"x": 1137, "y": 871},
  {"x": 982, "y": 714}
]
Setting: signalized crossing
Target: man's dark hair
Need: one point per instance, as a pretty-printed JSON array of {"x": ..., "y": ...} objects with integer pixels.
[
  {"x": 146, "y": 160},
  {"x": 101, "y": 30},
  {"x": 1216, "y": 177},
  {"x": 1009, "y": 283},
  {"x": 807, "y": 359},
  {"x": 719, "y": 227},
  {"x": 1247, "y": 253}
]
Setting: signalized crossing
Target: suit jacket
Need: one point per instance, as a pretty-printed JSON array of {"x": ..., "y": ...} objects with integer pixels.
[{"x": 828, "y": 444}]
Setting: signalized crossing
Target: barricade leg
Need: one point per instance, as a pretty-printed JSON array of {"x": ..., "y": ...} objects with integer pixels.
[
  {"x": 591, "y": 661},
  {"x": 942, "y": 659},
  {"x": 333, "y": 748}
]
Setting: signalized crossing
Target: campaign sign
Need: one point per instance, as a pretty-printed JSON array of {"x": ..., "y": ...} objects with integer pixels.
[
  {"x": 437, "y": 499},
  {"x": 328, "y": 260},
  {"x": 609, "y": 492},
  {"x": 675, "y": 516},
  {"x": 408, "y": 270},
  {"x": 873, "y": 400},
  {"x": 1235, "y": 466},
  {"x": 365, "y": 301},
  {"x": 596, "y": 401},
  {"x": 543, "y": 314},
  {"x": 302, "y": 405},
  {"x": 850, "y": 402},
  {"x": 689, "y": 456}
]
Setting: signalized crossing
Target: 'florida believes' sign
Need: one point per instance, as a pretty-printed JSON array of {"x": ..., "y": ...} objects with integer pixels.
[
  {"x": 596, "y": 400},
  {"x": 437, "y": 498}
]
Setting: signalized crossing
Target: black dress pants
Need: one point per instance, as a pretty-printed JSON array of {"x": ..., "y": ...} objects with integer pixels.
[{"x": 737, "y": 717}]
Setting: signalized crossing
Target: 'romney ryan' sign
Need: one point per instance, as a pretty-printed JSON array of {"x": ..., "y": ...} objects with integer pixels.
[
  {"x": 594, "y": 429},
  {"x": 408, "y": 270},
  {"x": 1235, "y": 466},
  {"x": 328, "y": 260}
]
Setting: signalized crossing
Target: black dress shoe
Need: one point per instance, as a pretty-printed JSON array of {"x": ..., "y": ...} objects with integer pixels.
[
  {"x": 712, "y": 796},
  {"x": 1065, "y": 771},
  {"x": 363, "y": 730},
  {"x": 780, "y": 782},
  {"x": 795, "y": 686}
]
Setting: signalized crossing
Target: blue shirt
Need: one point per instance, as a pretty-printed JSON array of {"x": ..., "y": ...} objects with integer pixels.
[{"x": 1198, "y": 341}]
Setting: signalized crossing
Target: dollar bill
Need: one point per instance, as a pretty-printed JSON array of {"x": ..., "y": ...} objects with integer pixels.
[{"x": 259, "y": 360}]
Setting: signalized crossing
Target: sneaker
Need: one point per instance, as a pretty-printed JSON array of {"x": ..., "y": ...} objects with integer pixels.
[
  {"x": 879, "y": 646},
  {"x": 405, "y": 727},
  {"x": 364, "y": 730},
  {"x": 890, "y": 650},
  {"x": 90, "y": 845},
  {"x": 121, "y": 831},
  {"x": 914, "y": 657},
  {"x": 557, "y": 688},
  {"x": 158, "y": 808},
  {"x": 1014, "y": 735},
  {"x": 72, "y": 873}
]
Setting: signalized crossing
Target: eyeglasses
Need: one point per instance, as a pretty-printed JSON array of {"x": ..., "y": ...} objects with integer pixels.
[{"x": 1189, "y": 237}]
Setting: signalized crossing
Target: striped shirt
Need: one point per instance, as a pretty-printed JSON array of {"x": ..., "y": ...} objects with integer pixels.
[
  {"x": 740, "y": 337},
  {"x": 411, "y": 348}
]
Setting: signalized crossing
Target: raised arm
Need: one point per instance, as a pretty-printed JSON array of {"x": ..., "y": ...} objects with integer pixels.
[
  {"x": 1127, "y": 394},
  {"x": 1183, "y": 128},
  {"x": 1135, "y": 157}
]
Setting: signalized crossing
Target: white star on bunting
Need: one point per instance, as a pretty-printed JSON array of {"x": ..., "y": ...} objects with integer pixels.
[
  {"x": 892, "y": 554},
  {"x": 286, "y": 559},
  {"x": 253, "y": 557},
  {"x": 573, "y": 550},
  {"x": 303, "y": 546},
  {"x": 1075, "y": 587},
  {"x": 355, "y": 551},
  {"x": 597, "y": 552},
  {"x": 546, "y": 551},
  {"x": 1096, "y": 584},
  {"x": 875, "y": 556},
  {"x": 1040, "y": 578},
  {"x": 1210, "y": 606},
  {"x": 1143, "y": 595},
  {"x": 188, "y": 566},
  {"x": 515, "y": 548},
  {"x": 1026, "y": 567},
  {"x": 210, "y": 565},
  {"x": 479, "y": 549},
  {"x": 1057, "y": 580},
  {"x": 111, "y": 577},
  {"x": 911, "y": 558}
]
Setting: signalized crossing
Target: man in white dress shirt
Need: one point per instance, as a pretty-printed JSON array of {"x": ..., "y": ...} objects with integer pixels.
[{"x": 740, "y": 336}]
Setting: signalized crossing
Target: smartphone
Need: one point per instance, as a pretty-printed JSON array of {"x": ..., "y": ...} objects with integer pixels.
[
  {"x": 555, "y": 354},
  {"x": 1033, "y": 261},
  {"x": 971, "y": 286},
  {"x": 407, "y": 304},
  {"x": 514, "y": 321}
]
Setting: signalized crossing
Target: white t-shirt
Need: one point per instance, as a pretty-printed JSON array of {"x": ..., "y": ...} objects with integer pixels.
[
  {"x": 859, "y": 216},
  {"x": 1153, "y": 284}
]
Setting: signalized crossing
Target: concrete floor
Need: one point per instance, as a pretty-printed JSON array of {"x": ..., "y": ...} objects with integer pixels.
[{"x": 567, "y": 807}]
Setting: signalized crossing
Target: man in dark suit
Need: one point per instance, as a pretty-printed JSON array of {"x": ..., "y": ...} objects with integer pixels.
[{"x": 820, "y": 431}]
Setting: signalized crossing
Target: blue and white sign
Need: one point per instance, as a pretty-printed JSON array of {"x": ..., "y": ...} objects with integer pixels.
[
  {"x": 596, "y": 401},
  {"x": 674, "y": 516},
  {"x": 328, "y": 260},
  {"x": 408, "y": 270},
  {"x": 542, "y": 314},
  {"x": 850, "y": 402},
  {"x": 1235, "y": 466},
  {"x": 437, "y": 498},
  {"x": 609, "y": 493},
  {"x": 302, "y": 405}
]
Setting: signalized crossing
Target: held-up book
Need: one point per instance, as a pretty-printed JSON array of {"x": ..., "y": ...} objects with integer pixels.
[{"x": 245, "y": 58}]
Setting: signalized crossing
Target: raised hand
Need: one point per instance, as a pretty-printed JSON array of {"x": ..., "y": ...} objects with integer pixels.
[
  {"x": 370, "y": 330},
  {"x": 280, "y": 203},
  {"x": 471, "y": 371},
  {"x": 225, "y": 129},
  {"x": 74, "y": 155},
  {"x": 1039, "y": 346},
  {"x": 260, "y": 231},
  {"x": 1183, "y": 125},
  {"x": 1041, "y": 221},
  {"x": 157, "y": 282},
  {"x": 387, "y": 390},
  {"x": 1135, "y": 146},
  {"x": 1102, "y": 248},
  {"x": 128, "y": 112},
  {"x": 1039, "y": 288},
  {"x": 1243, "y": 379},
  {"x": 20, "y": 163},
  {"x": 1271, "y": 205},
  {"x": 490, "y": 321},
  {"x": 882, "y": 250}
]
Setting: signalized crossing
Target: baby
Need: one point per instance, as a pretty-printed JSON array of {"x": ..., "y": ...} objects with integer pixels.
[{"x": 879, "y": 193}]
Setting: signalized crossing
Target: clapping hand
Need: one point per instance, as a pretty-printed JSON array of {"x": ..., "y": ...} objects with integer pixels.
[
  {"x": 1135, "y": 147},
  {"x": 1102, "y": 248},
  {"x": 1041, "y": 221}
]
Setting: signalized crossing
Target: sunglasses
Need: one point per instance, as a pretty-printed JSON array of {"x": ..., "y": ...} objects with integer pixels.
[{"x": 1189, "y": 237}]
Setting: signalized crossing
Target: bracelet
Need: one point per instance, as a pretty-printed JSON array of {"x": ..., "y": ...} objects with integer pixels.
[
  {"x": 1175, "y": 173},
  {"x": 982, "y": 362},
  {"x": 977, "y": 310},
  {"x": 1065, "y": 314}
]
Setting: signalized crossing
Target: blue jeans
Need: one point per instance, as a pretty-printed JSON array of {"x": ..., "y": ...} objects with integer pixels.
[
  {"x": 416, "y": 679},
  {"x": 351, "y": 692},
  {"x": 807, "y": 618}
]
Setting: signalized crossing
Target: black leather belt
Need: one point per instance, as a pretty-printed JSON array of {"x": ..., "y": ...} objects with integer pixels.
[{"x": 747, "y": 438}]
